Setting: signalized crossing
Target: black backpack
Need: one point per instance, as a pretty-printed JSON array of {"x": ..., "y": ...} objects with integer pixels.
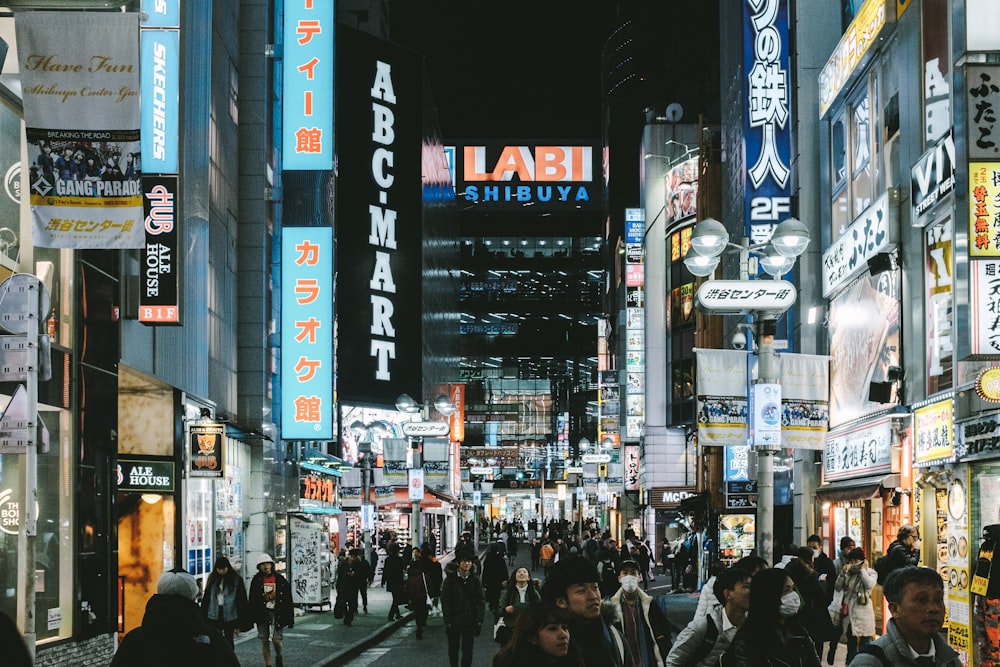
[{"x": 609, "y": 575}]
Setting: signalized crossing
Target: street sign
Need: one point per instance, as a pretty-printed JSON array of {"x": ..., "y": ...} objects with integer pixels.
[
  {"x": 570, "y": 470},
  {"x": 426, "y": 429},
  {"x": 745, "y": 296},
  {"x": 480, "y": 471},
  {"x": 596, "y": 458},
  {"x": 14, "y": 424}
]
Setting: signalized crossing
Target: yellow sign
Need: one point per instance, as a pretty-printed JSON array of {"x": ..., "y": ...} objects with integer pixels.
[
  {"x": 853, "y": 46},
  {"x": 902, "y": 6},
  {"x": 988, "y": 385},
  {"x": 984, "y": 209},
  {"x": 932, "y": 426}
]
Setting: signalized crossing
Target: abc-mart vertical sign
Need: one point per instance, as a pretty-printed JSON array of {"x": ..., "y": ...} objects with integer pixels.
[{"x": 766, "y": 116}]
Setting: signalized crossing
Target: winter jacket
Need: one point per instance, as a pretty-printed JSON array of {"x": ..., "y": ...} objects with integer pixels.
[
  {"x": 431, "y": 568},
  {"x": 707, "y": 600},
  {"x": 599, "y": 641},
  {"x": 393, "y": 573},
  {"x": 173, "y": 633},
  {"x": 897, "y": 651},
  {"x": 15, "y": 650},
  {"x": 757, "y": 646},
  {"x": 656, "y": 637},
  {"x": 901, "y": 555},
  {"x": 694, "y": 639},
  {"x": 352, "y": 576},
  {"x": 462, "y": 600},
  {"x": 235, "y": 608},
  {"x": 823, "y": 565},
  {"x": 861, "y": 615},
  {"x": 509, "y": 596},
  {"x": 284, "y": 608},
  {"x": 494, "y": 576}
]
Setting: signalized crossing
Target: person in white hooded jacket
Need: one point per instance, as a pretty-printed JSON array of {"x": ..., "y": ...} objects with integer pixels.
[{"x": 639, "y": 619}]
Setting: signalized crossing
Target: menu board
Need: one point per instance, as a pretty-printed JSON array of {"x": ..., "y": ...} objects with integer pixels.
[{"x": 737, "y": 537}]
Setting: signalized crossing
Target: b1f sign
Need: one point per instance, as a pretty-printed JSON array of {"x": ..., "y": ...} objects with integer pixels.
[{"x": 765, "y": 415}]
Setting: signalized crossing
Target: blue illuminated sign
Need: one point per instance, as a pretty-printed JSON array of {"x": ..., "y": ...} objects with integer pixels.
[
  {"x": 307, "y": 410},
  {"x": 160, "y": 76},
  {"x": 307, "y": 98},
  {"x": 767, "y": 122},
  {"x": 162, "y": 13}
]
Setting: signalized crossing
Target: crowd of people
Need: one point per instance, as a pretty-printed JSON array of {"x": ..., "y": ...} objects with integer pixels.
[{"x": 589, "y": 609}]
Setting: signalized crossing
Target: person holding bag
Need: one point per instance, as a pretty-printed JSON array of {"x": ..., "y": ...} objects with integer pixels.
[
  {"x": 418, "y": 593},
  {"x": 857, "y": 580},
  {"x": 225, "y": 600},
  {"x": 519, "y": 591}
]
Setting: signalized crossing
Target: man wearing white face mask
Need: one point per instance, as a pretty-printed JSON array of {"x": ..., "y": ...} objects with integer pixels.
[{"x": 638, "y": 618}]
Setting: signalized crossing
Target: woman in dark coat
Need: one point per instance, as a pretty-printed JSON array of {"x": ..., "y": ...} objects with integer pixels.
[
  {"x": 772, "y": 635},
  {"x": 433, "y": 573},
  {"x": 225, "y": 600},
  {"x": 518, "y": 592},
  {"x": 394, "y": 580},
  {"x": 416, "y": 591},
  {"x": 494, "y": 575}
]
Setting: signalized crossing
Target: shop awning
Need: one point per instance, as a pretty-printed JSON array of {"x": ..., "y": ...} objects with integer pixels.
[
  {"x": 432, "y": 499},
  {"x": 863, "y": 488}
]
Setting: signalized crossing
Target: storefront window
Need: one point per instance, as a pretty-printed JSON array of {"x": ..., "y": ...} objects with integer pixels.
[
  {"x": 10, "y": 197},
  {"x": 861, "y": 181}
]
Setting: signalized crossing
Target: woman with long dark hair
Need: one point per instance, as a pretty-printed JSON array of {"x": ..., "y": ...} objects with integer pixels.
[
  {"x": 772, "y": 634},
  {"x": 540, "y": 639},
  {"x": 225, "y": 600},
  {"x": 519, "y": 591}
]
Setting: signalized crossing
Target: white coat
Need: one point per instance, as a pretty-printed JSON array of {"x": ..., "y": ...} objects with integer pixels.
[{"x": 860, "y": 615}]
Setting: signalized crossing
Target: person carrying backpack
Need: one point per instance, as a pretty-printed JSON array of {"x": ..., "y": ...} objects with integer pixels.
[
  {"x": 902, "y": 552},
  {"x": 608, "y": 570},
  {"x": 707, "y": 636}
]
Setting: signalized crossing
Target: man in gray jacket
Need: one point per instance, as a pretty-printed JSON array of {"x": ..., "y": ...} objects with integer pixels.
[
  {"x": 913, "y": 636},
  {"x": 708, "y": 636}
]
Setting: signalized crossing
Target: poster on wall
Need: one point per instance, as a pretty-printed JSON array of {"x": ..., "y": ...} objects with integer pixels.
[
  {"x": 80, "y": 85},
  {"x": 984, "y": 302},
  {"x": 305, "y": 544},
  {"x": 959, "y": 578},
  {"x": 982, "y": 83},
  {"x": 984, "y": 209}
]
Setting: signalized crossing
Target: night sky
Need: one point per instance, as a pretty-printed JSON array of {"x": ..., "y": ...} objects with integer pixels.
[{"x": 510, "y": 69}]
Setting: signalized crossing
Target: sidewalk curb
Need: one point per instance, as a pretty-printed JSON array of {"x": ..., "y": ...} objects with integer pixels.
[{"x": 365, "y": 643}]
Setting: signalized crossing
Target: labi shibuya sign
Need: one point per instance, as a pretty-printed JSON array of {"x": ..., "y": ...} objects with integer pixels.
[{"x": 531, "y": 178}]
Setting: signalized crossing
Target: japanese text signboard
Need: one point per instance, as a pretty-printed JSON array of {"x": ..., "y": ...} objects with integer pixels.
[
  {"x": 739, "y": 296},
  {"x": 984, "y": 304},
  {"x": 159, "y": 287},
  {"x": 852, "y": 50},
  {"x": 982, "y": 104},
  {"x": 307, "y": 102},
  {"x": 934, "y": 435},
  {"x": 767, "y": 118},
  {"x": 858, "y": 452},
  {"x": 984, "y": 209},
  {"x": 866, "y": 237},
  {"x": 307, "y": 333}
]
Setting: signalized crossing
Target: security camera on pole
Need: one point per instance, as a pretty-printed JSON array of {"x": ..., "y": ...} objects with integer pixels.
[{"x": 766, "y": 299}]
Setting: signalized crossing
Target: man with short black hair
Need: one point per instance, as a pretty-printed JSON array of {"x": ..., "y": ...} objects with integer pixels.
[
  {"x": 708, "y": 636},
  {"x": 639, "y": 619},
  {"x": 462, "y": 600},
  {"x": 572, "y": 584},
  {"x": 913, "y": 635}
]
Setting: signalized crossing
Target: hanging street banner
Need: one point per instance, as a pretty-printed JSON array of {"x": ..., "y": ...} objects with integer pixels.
[
  {"x": 80, "y": 84},
  {"x": 722, "y": 398}
]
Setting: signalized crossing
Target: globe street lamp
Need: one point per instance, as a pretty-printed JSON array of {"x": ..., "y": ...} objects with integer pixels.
[
  {"x": 416, "y": 430},
  {"x": 765, "y": 299}
]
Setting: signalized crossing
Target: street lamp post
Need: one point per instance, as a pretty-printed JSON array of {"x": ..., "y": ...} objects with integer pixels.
[
  {"x": 709, "y": 240},
  {"x": 405, "y": 403}
]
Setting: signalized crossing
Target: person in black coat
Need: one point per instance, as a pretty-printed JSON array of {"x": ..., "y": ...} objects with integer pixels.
[
  {"x": 15, "y": 650},
  {"x": 494, "y": 575},
  {"x": 394, "y": 580},
  {"x": 462, "y": 607},
  {"x": 772, "y": 635},
  {"x": 173, "y": 631},
  {"x": 352, "y": 575},
  {"x": 271, "y": 608}
]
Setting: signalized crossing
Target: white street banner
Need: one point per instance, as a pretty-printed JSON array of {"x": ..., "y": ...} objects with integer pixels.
[
  {"x": 80, "y": 84},
  {"x": 722, "y": 387},
  {"x": 805, "y": 400},
  {"x": 722, "y": 397}
]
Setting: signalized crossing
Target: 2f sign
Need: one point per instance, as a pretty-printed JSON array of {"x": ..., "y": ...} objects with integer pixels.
[{"x": 770, "y": 209}]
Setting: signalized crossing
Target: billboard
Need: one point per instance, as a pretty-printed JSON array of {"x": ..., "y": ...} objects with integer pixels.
[
  {"x": 379, "y": 217},
  {"x": 528, "y": 177}
]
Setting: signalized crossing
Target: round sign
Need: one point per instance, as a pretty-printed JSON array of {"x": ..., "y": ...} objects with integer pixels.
[{"x": 988, "y": 385}]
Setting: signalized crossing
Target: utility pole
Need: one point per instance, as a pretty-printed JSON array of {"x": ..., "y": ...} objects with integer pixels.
[
  {"x": 767, "y": 373},
  {"x": 365, "y": 448}
]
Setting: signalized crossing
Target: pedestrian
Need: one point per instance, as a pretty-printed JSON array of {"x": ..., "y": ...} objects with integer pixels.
[
  {"x": 708, "y": 635},
  {"x": 462, "y": 607},
  {"x": 903, "y": 551},
  {"x": 512, "y": 547},
  {"x": 680, "y": 567},
  {"x": 771, "y": 634},
  {"x": 813, "y": 614},
  {"x": 351, "y": 577},
  {"x": 638, "y": 618},
  {"x": 541, "y": 638},
  {"x": 546, "y": 555},
  {"x": 394, "y": 580},
  {"x": 271, "y": 607},
  {"x": 916, "y": 602},
  {"x": 847, "y": 545},
  {"x": 535, "y": 550},
  {"x": 494, "y": 575},
  {"x": 518, "y": 592},
  {"x": 573, "y": 585},
  {"x": 366, "y": 574},
  {"x": 419, "y": 596},
  {"x": 15, "y": 650},
  {"x": 857, "y": 580},
  {"x": 224, "y": 601},
  {"x": 173, "y": 631},
  {"x": 433, "y": 573}
]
